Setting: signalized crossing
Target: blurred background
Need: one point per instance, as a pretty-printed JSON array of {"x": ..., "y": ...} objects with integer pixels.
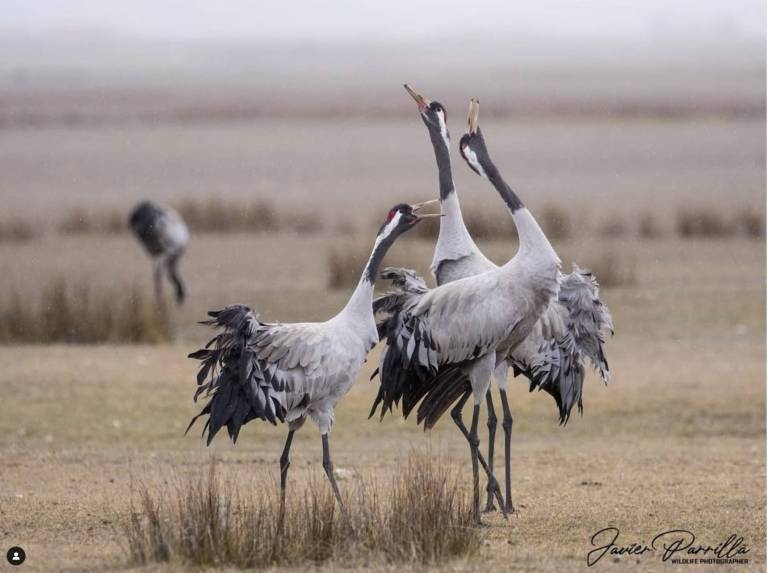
[{"x": 277, "y": 126}]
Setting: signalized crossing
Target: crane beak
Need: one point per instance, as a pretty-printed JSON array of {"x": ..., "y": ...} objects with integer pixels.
[
  {"x": 422, "y": 103},
  {"x": 423, "y": 204},
  {"x": 473, "y": 116}
]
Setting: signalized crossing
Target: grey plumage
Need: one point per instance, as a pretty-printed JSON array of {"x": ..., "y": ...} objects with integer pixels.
[
  {"x": 548, "y": 352},
  {"x": 254, "y": 370},
  {"x": 164, "y": 236},
  {"x": 444, "y": 342}
]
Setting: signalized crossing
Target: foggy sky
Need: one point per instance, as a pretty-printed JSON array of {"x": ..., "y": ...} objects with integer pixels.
[{"x": 399, "y": 20}]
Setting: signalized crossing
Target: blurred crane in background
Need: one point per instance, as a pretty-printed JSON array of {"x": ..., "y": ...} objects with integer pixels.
[{"x": 164, "y": 235}]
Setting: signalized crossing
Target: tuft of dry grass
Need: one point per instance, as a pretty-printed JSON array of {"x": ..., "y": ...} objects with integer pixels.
[
  {"x": 76, "y": 315},
  {"x": 217, "y": 216},
  {"x": 648, "y": 227},
  {"x": 17, "y": 230},
  {"x": 212, "y": 521},
  {"x": 750, "y": 223},
  {"x": 701, "y": 222}
]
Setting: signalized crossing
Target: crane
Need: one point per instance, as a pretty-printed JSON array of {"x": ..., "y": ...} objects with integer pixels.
[
  {"x": 289, "y": 372},
  {"x": 164, "y": 236},
  {"x": 442, "y": 344}
]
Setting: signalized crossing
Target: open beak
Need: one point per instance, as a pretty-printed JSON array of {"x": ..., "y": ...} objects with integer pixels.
[
  {"x": 473, "y": 116},
  {"x": 423, "y": 204},
  {"x": 422, "y": 103}
]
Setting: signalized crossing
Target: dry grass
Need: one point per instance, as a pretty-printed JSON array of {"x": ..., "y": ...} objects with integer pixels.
[
  {"x": 211, "y": 520},
  {"x": 82, "y": 222},
  {"x": 17, "y": 230},
  {"x": 648, "y": 227},
  {"x": 701, "y": 222},
  {"x": 217, "y": 216},
  {"x": 750, "y": 223},
  {"x": 76, "y": 315}
]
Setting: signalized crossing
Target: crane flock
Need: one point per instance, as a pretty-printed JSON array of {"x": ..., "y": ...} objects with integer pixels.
[{"x": 441, "y": 345}]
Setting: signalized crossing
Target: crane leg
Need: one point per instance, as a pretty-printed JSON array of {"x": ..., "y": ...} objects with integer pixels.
[
  {"x": 492, "y": 481},
  {"x": 328, "y": 467},
  {"x": 474, "y": 444},
  {"x": 492, "y": 421},
  {"x": 173, "y": 275},
  {"x": 507, "y": 425},
  {"x": 158, "y": 277},
  {"x": 284, "y": 465}
]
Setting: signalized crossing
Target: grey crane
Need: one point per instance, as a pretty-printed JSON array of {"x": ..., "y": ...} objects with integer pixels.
[
  {"x": 573, "y": 329},
  {"x": 164, "y": 236},
  {"x": 444, "y": 344},
  {"x": 288, "y": 372},
  {"x": 551, "y": 356}
]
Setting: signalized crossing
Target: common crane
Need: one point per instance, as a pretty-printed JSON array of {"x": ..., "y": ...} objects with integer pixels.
[
  {"x": 552, "y": 356},
  {"x": 164, "y": 235},
  {"x": 288, "y": 372},
  {"x": 443, "y": 343}
]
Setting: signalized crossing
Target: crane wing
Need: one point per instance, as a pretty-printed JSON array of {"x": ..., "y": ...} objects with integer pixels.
[
  {"x": 574, "y": 326},
  {"x": 247, "y": 368},
  {"x": 430, "y": 333}
]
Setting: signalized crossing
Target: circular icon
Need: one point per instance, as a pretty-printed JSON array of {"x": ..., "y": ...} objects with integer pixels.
[{"x": 16, "y": 556}]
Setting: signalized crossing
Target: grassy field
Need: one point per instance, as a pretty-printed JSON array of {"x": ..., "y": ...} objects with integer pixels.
[{"x": 676, "y": 440}]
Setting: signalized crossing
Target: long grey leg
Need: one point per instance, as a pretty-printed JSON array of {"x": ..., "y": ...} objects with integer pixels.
[
  {"x": 284, "y": 465},
  {"x": 474, "y": 444},
  {"x": 328, "y": 467},
  {"x": 492, "y": 481},
  {"x": 507, "y": 425},
  {"x": 492, "y": 421}
]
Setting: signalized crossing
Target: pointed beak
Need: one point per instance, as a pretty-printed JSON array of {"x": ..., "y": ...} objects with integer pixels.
[
  {"x": 473, "y": 116},
  {"x": 422, "y": 103},
  {"x": 423, "y": 204}
]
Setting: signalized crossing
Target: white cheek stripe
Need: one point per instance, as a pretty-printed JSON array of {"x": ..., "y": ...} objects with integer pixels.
[
  {"x": 389, "y": 227},
  {"x": 443, "y": 128},
  {"x": 472, "y": 160}
]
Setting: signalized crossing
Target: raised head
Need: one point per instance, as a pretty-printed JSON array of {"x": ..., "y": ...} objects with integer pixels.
[
  {"x": 472, "y": 144},
  {"x": 434, "y": 116}
]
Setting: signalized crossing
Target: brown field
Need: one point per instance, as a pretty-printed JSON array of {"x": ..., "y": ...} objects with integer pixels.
[{"x": 676, "y": 441}]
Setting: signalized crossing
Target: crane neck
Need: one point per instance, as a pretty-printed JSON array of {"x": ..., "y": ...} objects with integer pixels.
[
  {"x": 362, "y": 298},
  {"x": 533, "y": 242},
  {"x": 510, "y": 198},
  {"x": 443, "y": 159}
]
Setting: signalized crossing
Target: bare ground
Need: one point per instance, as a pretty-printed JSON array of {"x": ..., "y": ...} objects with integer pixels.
[{"x": 676, "y": 441}]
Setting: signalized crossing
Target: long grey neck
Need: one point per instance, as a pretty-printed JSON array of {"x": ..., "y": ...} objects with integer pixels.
[
  {"x": 533, "y": 241},
  {"x": 361, "y": 301},
  {"x": 443, "y": 158},
  {"x": 509, "y": 197}
]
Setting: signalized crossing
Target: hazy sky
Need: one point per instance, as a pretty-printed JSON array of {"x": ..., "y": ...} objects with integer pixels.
[{"x": 356, "y": 20}]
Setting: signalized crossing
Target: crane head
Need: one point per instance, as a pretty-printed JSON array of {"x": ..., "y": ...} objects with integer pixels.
[
  {"x": 433, "y": 115},
  {"x": 472, "y": 144},
  {"x": 403, "y": 216}
]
